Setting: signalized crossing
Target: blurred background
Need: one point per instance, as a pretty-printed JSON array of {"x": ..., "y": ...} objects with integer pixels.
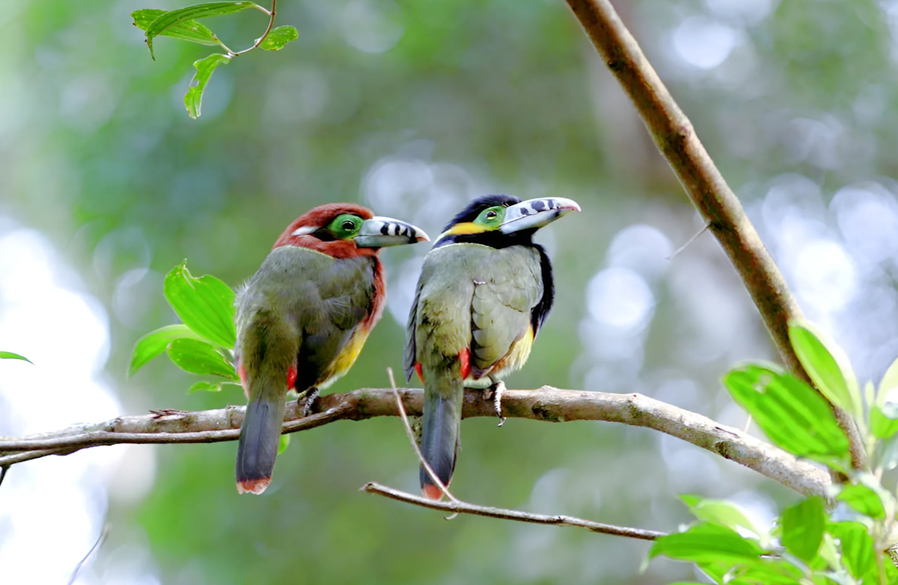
[{"x": 413, "y": 108}]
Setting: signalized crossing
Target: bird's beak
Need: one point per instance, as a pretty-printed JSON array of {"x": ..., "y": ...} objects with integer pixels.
[
  {"x": 380, "y": 232},
  {"x": 536, "y": 213}
]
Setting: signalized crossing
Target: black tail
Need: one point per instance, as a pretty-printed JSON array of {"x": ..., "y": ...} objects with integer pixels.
[
  {"x": 260, "y": 437},
  {"x": 442, "y": 426}
]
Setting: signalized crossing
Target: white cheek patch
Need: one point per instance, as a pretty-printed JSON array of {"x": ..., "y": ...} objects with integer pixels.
[{"x": 304, "y": 231}]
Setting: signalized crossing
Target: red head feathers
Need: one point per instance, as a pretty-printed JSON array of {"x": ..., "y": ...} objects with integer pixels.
[{"x": 301, "y": 231}]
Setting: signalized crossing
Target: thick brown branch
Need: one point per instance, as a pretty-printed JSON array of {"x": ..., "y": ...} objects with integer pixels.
[
  {"x": 676, "y": 139},
  {"x": 459, "y": 507},
  {"x": 545, "y": 404}
]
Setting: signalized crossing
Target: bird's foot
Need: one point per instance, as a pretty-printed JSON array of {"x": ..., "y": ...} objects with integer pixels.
[
  {"x": 498, "y": 388},
  {"x": 307, "y": 402}
]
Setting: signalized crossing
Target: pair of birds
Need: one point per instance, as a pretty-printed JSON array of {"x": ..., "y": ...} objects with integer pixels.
[{"x": 484, "y": 292}]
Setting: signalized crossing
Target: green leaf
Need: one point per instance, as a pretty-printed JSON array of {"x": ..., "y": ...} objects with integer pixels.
[
  {"x": 205, "y": 386},
  {"x": 205, "y": 67},
  {"x": 857, "y": 546},
  {"x": 881, "y": 425},
  {"x": 803, "y": 525},
  {"x": 8, "y": 355},
  {"x": 828, "y": 366},
  {"x": 167, "y": 20},
  {"x": 707, "y": 543},
  {"x": 198, "y": 357},
  {"x": 156, "y": 342},
  {"x": 204, "y": 304},
  {"x": 790, "y": 412},
  {"x": 278, "y": 38},
  {"x": 719, "y": 512},
  {"x": 863, "y": 499},
  {"x": 284, "y": 443},
  {"x": 189, "y": 30}
]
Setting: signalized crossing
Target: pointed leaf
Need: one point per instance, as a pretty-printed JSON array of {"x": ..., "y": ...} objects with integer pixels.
[
  {"x": 803, "y": 525},
  {"x": 707, "y": 543},
  {"x": 8, "y": 355},
  {"x": 156, "y": 342},
  {"x": 857, "y": 546},
  {"x": 189, "y": 30},
  {"x": 881, "y": 425},
  {"x": 165, "y": 21},
  {"x": 790, "y": 413},
  {"x": 204, "y": 304},
  {"x": 864, "y": 499},
  {"x": 828, "y": 366},
  {"x": 719, "y": 512},
  {"x": 284, "y": 443},
  {"x": 198, "y": 357},
  {"x": 278, "y": 38},
  {"x": 206, "y": 386},
  {"x": 205, "y": 67}
]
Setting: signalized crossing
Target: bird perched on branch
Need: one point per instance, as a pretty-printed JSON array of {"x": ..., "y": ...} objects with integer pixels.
[
  {"x": 303, "y": 318},
  {"x": 484, "y": 292}
]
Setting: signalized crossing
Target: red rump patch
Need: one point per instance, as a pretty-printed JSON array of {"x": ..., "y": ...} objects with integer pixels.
[
  {"x": 465, "y": 358},
  {"x": 291, "y": 376},
  {"x": 420, "y": 373},
  {"x": 241, "y": 371}
]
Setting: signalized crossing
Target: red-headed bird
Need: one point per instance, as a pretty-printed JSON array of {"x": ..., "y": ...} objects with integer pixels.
[
  {"x": 484, "y": 291},
  {"x": 303, "y": 318}
]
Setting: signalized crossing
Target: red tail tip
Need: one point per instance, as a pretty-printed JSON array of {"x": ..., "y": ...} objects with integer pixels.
[
  {"x": 432, "y": 492},
  {"x": 253, "y": 486}
]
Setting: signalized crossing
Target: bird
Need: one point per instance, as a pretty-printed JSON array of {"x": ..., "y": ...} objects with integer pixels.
[
  {"x": 303, "y": 318},
  {"x": 484, "y": 291}
]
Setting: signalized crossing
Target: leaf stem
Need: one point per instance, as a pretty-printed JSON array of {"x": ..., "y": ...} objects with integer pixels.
[{"x": 271, "y": 14}]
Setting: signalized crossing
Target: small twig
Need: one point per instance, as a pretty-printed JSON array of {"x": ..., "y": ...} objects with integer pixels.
[
  {"x": 3, "y": 471},
  {"x": 271, "y": 14},
  {"x": 411, "y": 439},
  {"x": 458, "y": 507},
  {"x": 96, "y": 545},
  {"x": 689, "y": 241}
]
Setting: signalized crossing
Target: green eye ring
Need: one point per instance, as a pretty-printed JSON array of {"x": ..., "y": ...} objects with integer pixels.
[
  {"x": 491, "y": 217},
  {"x": 345, "y": 226}
]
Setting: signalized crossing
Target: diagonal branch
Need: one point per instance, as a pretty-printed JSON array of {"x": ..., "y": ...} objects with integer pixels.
[
  {"x": 676, "y": 139},
  {"x": 545, "y": 404},
  {"x": 459, "y": 507}
]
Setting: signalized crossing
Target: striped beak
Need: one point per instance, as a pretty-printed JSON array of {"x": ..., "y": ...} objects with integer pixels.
[
  {"x": 536, "y": 213},
  {"x": 380, "y": 232}
]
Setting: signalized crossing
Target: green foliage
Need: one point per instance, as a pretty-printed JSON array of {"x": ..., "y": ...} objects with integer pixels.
[
  {"x": 203, "y": 343},
  {"x": 802, "y": 528},
  {"x": 278, "y": 38},
  {"x": 8, "y": 355},
  {"x": 813, "y": 547},
  {"x": 182, "y": 24},
  {"x": 205, "y": 67},
  {"x": 790, "y": 412},
  {"x": 187, "y": 30}
]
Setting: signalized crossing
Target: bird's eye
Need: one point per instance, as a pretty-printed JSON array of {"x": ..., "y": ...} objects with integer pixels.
[
  {"x": 348, "y": 225},
  {"x": 491, "y": 215}
]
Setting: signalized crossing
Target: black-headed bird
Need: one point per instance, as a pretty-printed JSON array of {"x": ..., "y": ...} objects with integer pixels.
[{"x": 484, "y": 292}]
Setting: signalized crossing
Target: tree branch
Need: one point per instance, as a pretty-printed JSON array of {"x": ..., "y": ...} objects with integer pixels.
[
  {"x": 459, "y": 507},
  {"x": 545, "y": 404},
  {"x": 676, "y": 139}
]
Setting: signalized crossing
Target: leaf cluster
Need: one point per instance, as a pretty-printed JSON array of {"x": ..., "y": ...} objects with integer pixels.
[{"x": 843, "y": 540}]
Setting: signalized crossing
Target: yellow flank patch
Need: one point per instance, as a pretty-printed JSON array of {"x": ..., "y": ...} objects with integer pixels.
[
  {"x": 345, "y": 358},
  {"x": 516, "y": 357},
  {"x": 463, "y": 228}
]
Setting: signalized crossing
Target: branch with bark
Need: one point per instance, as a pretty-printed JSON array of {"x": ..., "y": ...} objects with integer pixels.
[
  {"x": 726, "y": 219},
  {"x": 545, "y": 404}
]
